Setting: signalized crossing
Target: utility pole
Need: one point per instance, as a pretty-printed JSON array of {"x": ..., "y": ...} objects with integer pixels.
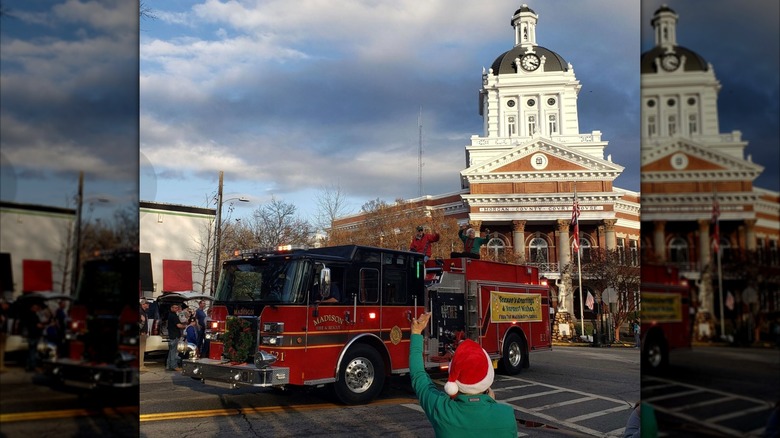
[
  {"x": 420, "y": 153},
  {"x": 77, "y": 240},
  {"x": 217, "y": 236}
]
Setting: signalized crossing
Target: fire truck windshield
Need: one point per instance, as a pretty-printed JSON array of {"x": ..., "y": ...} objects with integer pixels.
[
  {"x": 269, "y": 281},
  {"x": 107, "y": 283}
]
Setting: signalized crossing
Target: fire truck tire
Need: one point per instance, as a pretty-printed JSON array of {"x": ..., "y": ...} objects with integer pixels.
[
  {"x": 512, "y": 358},
  {"x": 655, "y": 354},
  {"x": 361, "y": 376}
]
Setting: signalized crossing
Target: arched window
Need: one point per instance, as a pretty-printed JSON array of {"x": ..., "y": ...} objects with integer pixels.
[
  {"x": 678, "y": 251},
  {"x": 585, "y": 250},
  {"x": 496, "y": 247},
  {"x": 538, "y": 251},
  {"x": 726, "y": 251},
  {"x": 553, "y": 124}
]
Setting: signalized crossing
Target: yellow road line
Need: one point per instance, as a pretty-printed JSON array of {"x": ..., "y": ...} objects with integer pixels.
[
  {"x": 67, "y": 413},
  {"x": 245, "y": 411}
]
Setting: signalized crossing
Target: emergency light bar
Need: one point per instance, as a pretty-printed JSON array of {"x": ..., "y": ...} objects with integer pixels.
[{"x": 268, "y": 251}]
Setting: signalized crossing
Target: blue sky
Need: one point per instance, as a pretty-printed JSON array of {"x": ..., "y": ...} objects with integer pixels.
[
  {"x": 288, "y": 100},
  {"x": 68, "y": 73},
  {"x": 742, "y": 42}
]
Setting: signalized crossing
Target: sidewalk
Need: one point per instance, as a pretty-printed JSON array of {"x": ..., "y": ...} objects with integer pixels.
[{"x": 616, "y": 344}]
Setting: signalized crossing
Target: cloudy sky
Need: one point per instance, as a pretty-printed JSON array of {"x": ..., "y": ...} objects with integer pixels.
[
  {"x": 290, "y": 99},
  {"x": 742, "y": 42},
  {"x": 69, "y": 80}
]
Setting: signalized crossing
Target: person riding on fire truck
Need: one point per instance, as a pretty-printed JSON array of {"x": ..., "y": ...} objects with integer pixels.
[{"x": 421, "y": 242}]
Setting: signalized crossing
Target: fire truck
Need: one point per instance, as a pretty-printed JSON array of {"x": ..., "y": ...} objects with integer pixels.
[
  {"x": 664, "y": 314},
  {"x": 102, "y": 336},
  {"x": 341, "y": 316}
]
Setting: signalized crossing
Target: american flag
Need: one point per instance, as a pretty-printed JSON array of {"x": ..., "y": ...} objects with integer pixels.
[
  {"x": 589, "y": 301},
  {"x": 729, "y": 300},
  {"x": 575, "y": 221},
  {"x": 716, "y": 224}
]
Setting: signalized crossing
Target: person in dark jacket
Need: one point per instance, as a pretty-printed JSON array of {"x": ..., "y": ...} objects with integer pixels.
[
  {"x": 468, "y": 407},
  {"x": 33, "y": 325},
  {"x": 175, "y": 326}
]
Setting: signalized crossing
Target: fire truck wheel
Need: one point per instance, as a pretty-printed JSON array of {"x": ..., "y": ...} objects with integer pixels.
[
  {"x": 361, "y": 375},
  {"x": 512, "y": 359},
  {"x": 655, "y": 354}
]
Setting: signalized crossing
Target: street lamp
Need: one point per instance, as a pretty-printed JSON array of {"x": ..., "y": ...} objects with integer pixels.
[{"x": 218, "y": 232}]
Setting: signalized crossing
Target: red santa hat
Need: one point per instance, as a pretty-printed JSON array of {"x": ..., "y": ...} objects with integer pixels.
[{"x": 471, "y": 370}]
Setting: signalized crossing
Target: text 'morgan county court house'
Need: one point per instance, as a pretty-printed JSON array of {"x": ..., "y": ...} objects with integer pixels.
[
  {"x": 523, "y": 171},
  {"x": 694, "y": 177}
]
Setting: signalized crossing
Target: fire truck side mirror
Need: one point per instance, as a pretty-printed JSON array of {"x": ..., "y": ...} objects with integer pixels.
[{"x": 325, "y": 282}]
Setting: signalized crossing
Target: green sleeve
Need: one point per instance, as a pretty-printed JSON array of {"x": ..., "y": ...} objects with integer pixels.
[{"x": 427, "y": 391}]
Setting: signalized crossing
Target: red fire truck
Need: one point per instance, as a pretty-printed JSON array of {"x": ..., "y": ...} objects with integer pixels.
[
  {"x": 341, "y": 316},
  {"x": 102, "y": 338},
  {"x": 664, "y": 313}
]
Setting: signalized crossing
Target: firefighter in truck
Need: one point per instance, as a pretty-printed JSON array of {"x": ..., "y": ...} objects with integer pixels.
[{"x": 274, "y": 324}]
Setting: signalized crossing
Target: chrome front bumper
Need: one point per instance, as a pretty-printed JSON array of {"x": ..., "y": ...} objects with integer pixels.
[{"x": 224, "y": 374}]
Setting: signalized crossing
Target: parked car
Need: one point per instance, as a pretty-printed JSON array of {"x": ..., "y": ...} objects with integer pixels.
[
  {"x": 16, "y": 342},
  {"x": 159, "y": 308}
]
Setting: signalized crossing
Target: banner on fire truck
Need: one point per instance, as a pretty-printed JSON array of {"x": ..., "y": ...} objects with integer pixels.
[{"x": 508, "y": 307}]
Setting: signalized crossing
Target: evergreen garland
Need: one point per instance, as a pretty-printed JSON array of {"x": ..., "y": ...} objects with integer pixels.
[{"x": 238, "y": 340}]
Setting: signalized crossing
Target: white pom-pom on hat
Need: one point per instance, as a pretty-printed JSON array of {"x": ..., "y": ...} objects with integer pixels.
[{"x": 471, "y": 370}]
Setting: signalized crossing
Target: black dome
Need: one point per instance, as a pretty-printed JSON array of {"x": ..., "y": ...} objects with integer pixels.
[
  {"x": 524, "y": 8},
  {"x": 693, "y": 62},
  {"x": 505, "y": 63}
]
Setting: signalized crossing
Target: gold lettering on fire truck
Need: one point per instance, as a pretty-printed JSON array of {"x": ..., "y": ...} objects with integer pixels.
[
  {"x": 244, "y": 312},
  {"x": 328, "y": 322},
  {"x": 508, "y": 307}
]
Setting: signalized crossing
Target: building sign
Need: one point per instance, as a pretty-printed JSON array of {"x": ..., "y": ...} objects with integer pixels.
[
  {"x": 539, "y": 208},
  {"x": 507, "y": 307},
  {"x": 661, "y": 307},
  {"x": 688, "y": 208}
]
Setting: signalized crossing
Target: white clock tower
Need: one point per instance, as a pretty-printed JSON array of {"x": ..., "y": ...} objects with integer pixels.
[{"x": 523, "y": 171}]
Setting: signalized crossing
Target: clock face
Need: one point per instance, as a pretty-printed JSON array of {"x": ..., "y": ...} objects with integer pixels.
[
  {"x": 530, "y": 62},
  {"x": 670, "y": 62}
]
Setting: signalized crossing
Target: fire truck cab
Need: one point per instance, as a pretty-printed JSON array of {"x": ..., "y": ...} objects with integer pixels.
[
  {"x": 102, "y": 336},
  {"x": 664, "y": 313},
  {"x": 341, "y": 315}
]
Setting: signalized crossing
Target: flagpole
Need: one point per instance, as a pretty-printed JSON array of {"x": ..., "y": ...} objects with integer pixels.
[
  {"x": 579, "y": 265},
  {"x": 716, "y": 217},
  {"x": 582, "y": 303},
  {"x": 720, "y": 292}
]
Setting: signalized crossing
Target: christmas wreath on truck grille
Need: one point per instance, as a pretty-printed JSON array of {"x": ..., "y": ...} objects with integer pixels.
[{"x": 239, "y": 341}]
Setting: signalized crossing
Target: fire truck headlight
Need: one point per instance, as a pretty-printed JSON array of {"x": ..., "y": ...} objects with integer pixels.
[
  {"x": 263, "y": 359},
  {"x": 272, "y": 340},
  {"x": 273, "y": 327}
]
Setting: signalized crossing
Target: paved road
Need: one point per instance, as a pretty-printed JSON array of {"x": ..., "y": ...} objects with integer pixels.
[
  {"x": 567, "y": 392},
  {"x": 715, "y": 391}
]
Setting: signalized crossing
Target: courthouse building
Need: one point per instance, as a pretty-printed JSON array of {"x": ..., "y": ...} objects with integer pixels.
[
  {"x": 691, "y": 173},
  {"x": 523, "y": 171}
]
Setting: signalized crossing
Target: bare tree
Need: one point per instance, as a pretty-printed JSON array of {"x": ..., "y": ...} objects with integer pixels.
[
  {"x": 331, "y": 204},
  {"x": 393, "y": 226},
  {"x": 145, "y": 12},
  {"x": 271, "y": 225},
  {"x": 606, "y": 269}
]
